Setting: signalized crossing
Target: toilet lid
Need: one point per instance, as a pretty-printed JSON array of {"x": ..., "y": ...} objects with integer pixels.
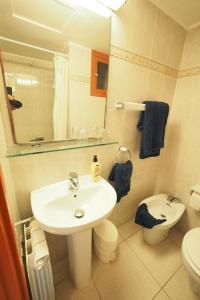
[{"x": 191, "y": 242}]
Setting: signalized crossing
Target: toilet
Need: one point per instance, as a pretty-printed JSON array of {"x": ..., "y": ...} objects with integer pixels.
[
  {"x": 161, "y": 208},
  {"x": 191, "y": 257}
]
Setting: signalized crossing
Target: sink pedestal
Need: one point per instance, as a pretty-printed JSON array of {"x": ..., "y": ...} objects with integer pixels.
[{"x": 80, "y": 254}]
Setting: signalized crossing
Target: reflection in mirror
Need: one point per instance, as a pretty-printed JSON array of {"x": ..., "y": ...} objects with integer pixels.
[
  {"x": 102, "y": 76},
  {"x": 54, "y": 95},
  {"x": 99, "y": 74}
]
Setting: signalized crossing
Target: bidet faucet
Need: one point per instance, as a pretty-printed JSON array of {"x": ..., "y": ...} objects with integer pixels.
[
  {"x": 170, "y": 198},
  {"x": 73, "y": 181}
]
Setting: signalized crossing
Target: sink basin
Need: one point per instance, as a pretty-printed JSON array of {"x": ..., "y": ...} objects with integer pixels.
[
  {"x": 55, "y": 206},
  {"x": 61, "y": 210}
]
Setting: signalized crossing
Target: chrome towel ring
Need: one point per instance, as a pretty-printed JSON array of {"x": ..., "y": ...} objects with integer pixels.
[{"x": 124, "y": 149}]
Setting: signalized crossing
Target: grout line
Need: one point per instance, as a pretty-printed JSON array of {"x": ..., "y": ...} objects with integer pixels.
[
  {"x": 93, "y": 277},
  {"x": 126, "y": 238},
  {"x": 147, "y": 269},
  {"x": 175, "y": 243},
  {"x": 150, "y": 271},
  {"x": 172, "y": 276},
  {"x": 123, "y": 239},
  {"x": 97, "y": 290},
  {"x": 154, "y": 297},
  {"x": 157, "y": 294},
  {"x": 166, "y": 294},
  {"x": 63, "y": 279}
]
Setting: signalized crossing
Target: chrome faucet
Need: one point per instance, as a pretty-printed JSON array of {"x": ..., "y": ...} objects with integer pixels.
[
  {"x": 170, "y": 199},
  {"x": 73, "y": 181}
]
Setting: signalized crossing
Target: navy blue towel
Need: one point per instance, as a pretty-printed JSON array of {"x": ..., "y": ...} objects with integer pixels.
[
  {"x": 121, "y": 175},
  {"x": 152, "y": 123},
  {"x": 144, "y": 218}
]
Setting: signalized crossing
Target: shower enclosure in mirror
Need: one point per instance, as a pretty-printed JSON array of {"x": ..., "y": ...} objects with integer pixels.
[{"x": 54, "y": 89}]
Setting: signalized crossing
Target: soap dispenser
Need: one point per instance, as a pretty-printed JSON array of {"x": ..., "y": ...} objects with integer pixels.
[{"x": 95, "y": 169}]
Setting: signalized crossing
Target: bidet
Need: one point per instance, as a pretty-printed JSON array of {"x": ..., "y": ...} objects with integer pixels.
[{"x": 160, "y": 207}]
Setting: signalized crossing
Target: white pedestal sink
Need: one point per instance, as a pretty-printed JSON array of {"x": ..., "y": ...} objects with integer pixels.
[{"x": 61, "y": 210}]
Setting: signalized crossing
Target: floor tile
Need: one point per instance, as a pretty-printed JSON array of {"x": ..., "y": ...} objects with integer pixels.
[
  {"x": 162, "y": 260},
  {"x": 65, "y": 291},
  {"x": 161, "y": 296},
  {"x": 125, "y": 278},
  {"x": 120, "y": 239},
  {"x": 178, "y": 287},
  {"x": 128, "y": 229},
  {"x": 176, "y": 236}
]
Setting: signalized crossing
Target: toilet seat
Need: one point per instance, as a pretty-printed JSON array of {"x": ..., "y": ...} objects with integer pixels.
[{"x": 191, "y": 249}]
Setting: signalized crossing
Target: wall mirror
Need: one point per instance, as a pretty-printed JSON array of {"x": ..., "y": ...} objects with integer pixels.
[{"x": 56, "y": 69}]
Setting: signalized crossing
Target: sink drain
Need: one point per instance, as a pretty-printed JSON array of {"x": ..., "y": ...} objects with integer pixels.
[
  {"x": 79, "y": 213},
  {"x": 163, "y": 216}
]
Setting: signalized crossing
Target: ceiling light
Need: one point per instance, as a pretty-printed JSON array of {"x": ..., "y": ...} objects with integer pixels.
[
  {"x": 21, "y": 81},
  {"x": 93, "y": 5},
  {"x": 113, "y": 4}
]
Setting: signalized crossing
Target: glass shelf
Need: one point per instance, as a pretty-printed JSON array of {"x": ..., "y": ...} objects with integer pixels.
[{"x": 22, "y": 150}]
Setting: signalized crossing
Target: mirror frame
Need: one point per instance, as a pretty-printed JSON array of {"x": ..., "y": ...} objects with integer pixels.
[{"x": 12, "y": 127}]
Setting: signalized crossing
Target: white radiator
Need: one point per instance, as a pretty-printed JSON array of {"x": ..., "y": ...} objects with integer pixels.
[{"x": 38, "y": 263}]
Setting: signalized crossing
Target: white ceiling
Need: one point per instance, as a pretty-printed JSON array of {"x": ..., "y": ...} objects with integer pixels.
[
  {"x": 50, "y": 24},
  {"x": 184, "y": 12}
]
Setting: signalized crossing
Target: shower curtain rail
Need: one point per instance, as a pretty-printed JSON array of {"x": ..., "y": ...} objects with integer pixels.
[
  {"x": 130, "y": 106},
  {"x": 31, "y": 46}
]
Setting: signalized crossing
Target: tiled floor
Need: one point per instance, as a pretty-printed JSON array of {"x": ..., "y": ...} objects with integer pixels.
[{"x": 141, "y": 272}]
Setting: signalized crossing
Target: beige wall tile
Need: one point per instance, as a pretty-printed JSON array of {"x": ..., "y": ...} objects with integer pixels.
[
  {"x": 168, "y": 41},
  {"x": 163, "y": 32},
  {"x": 129, "y": 32},
  {"x": 127, "y": 81},
  {"x": 176, "y": 42},
  {"x": 155, "y": 85},
  {"x": 179, "y": 169},
  {"x": 168, "y": 88},
  {"x": 190, "y": 57}
]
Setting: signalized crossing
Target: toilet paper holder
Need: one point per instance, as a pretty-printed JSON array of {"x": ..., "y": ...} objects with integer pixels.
[{"x": 195, "y": 189}]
